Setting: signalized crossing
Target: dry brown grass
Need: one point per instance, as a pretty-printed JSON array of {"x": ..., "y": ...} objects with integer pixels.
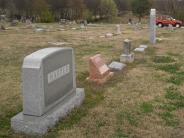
[{"x": 142, "y": 82}]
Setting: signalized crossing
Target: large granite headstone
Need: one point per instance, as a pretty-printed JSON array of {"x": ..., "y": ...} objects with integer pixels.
[
  {"x": 49, "y": 90},
  {"x": 153, "y": 26},
  {"x": 127, "y": 56}
]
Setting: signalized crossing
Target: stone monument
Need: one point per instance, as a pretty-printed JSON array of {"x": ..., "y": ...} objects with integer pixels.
[
  {"x": 99, "y": 72},
  {"x": 116, "y": 66},
  {"x": 153, "y": 26},
  {"x": 118, "y": 27},
  {"x": 127, "y": 56},
  {"x": 49, "y": 90}
]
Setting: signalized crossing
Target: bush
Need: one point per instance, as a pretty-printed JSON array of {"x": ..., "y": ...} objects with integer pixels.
[
  {"x": 47, "y": 17},
  {"x": 108, "y": 9}
]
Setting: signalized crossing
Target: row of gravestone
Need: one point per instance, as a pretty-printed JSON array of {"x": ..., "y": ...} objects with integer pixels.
[{"x": 49, "y": 86}]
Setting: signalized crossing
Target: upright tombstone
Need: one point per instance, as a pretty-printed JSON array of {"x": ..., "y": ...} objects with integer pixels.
[
  {"x": 153, "y": 26},
  {"x": 99, "y": 72},
  {"x": 49, "y": 90},
  {"x": 127, "y": 56},
  {"x": 171, "y": 28},
  {"x": 14, "y": 23},
  {"x": 118, "y": 27}
]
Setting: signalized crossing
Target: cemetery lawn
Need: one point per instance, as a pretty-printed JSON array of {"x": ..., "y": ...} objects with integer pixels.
[{"x": 146, "y": 100}]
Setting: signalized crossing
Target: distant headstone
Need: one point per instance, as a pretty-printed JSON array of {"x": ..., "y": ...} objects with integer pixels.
[
  {"x": 139, "y": 49},
  {"x": 49, "y": 90},
  {"x": 3, "y": 27},
  {"x": 85, "y": 23},
  {"x": 171, "y": 28},
  {"x": 153, "y": 26},
  {"x": 40, "y": 30},
  {"x": 98, "y": 70},
  {"x": 14, "y": 23},
  {"x": 143, "y": 46},
  {"x": 58, "y": 43},
  {"x": 102, "y": 36},
  {"x": 118, "y": 27},
  {"x": 63, "y": 21},
  {"x": 82, "y": 26},
  {"x": 127, "y": 56},
  {"x": 117, "y": 66},
  {"x": 28, "y": 22},
  {"x": 108, "y": 35}
]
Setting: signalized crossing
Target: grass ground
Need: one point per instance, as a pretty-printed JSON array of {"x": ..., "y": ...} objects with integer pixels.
[{"x": 146, "y": 100}]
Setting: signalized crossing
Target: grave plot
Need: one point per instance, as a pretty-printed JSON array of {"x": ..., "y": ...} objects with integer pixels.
[
  {"x": 145, "y": 101},
  {"x": 49, "y": 90}
]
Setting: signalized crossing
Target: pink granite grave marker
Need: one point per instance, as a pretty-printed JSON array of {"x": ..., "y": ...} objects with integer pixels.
[{"x": 98, "y": 70}]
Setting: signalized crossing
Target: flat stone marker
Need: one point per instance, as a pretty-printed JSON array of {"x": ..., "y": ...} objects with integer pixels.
[
  {"x": 139, "y": 49},
  {"x": 143, "y": 46},
  {"x": 153, "y": 26},
  {"x": 117, "y": 66},
  {"x": 49, "y": 90},
  {"x": 40, "y": 30},
  {"x": 127, "y": 56},
  {"x": 98, "y": 70},
  {"x": 102, "y": 36},
  {"x": 58, "y": 43},
  {"x": 108, "y": 35}
]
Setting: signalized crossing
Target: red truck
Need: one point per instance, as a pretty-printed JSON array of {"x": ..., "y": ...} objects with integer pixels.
[{"x": 162, "y": 21}]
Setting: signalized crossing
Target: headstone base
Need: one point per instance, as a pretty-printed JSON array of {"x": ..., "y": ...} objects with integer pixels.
[
  {"x": 127, "y": 58},
  {"x": 101, "y": 80},
  {"x": 32, "y": 125}
]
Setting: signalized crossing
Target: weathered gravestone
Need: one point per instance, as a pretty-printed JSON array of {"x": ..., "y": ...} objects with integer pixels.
[
  {"x": 153, "y": 26},
  {"x": 98, "y": 70},
  {"x": 49, "y": 90},
  {"x": 118, "y": 27},
  {"x": 171, "y": 28},
  {"x": 127, "y": 56},
  {"x": 108, "y": 35},
  {"x": 14, "y": 23},
  {"x": 117, "y": 66}
]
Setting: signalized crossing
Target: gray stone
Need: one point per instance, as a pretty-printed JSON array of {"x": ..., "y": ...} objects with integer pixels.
[
  {"x": 143, "y": 46},
  {"x": 58, "y": 43},
  {"x": 108, "y": 35},
  {"x": 117, "y": 66},
  {"x": 153, "y": 26},
  {"x": 139, "y": 49},
  {"x": 82, "y": 26},
  {"x": 32, "y": 125},
  {"x": 127, "y": 46},
  {"x": 171, "y": 28},
  {"x": 14, "y": 23},
  {"x": 40, "y": 30},
  {"x": 127, "y": 58},
  {"x": 49, "y": 81},
  {"x": 118, "y": 27}
]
